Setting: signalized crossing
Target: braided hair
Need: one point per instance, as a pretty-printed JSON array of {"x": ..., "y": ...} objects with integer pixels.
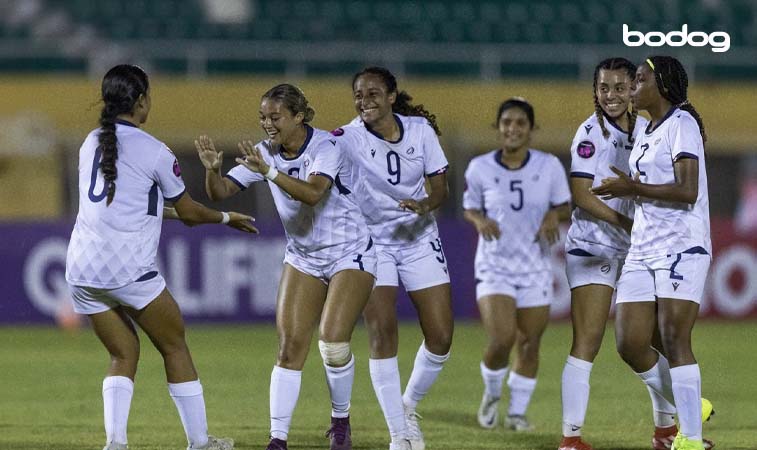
[
  {"x": 121, "y": 88},
  {"x": 673, "y": 83},
  {"x": 630, "y": 69},
  {"x": 402, "y": 104}
]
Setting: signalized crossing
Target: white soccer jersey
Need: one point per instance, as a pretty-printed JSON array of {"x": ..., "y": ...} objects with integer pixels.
[
  {"x": 394, "y": 171},
  {"x": 591, "y": 157},
  {"x": 664, "y": 228},
  {"x": 517, "y": 199},
  {"x": 332, "y": 227},
  {"x": 114, "y": 245}
]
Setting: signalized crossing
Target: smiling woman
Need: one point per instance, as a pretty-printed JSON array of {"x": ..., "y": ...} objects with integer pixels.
[
  {"x": 515, "y": 197},
  {"x": 330, "y": 261}
]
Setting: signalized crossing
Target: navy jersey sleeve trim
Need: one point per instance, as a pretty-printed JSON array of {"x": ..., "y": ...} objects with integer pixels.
[
  {"x": 148, "y": 276},
  {"x": 438, "y": 172},
  {"x": 582, "y": 175},
  {"x": 235, "y": 181},
  {"x": 686, "y": 155},
  {"x": 176, "y": 197},
  {"x": 321, "y": 174},
  {"x": 579, "y": 252}
]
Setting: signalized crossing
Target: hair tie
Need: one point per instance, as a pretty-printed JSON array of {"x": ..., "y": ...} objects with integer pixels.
[
  {"x": 651, "y": 64},
  {"x": 682, "y": 104}
]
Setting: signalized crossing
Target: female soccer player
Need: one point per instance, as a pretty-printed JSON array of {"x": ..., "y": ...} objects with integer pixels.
[
  {"x": 111, "y": 268},
  {"x": 515, "y": 197},
  {"x": 598, "y": 238},
  {"x": 330, "y": 261},
  {"x": 395, "y": 148},
  {"x": 664, "y": 273}
]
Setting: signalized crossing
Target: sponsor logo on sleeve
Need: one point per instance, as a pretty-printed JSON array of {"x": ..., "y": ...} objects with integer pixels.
[
  {"x": 585, "y": 149},
  {"x": 337, "y": 132},
  {"x": 176, "y": 168}
]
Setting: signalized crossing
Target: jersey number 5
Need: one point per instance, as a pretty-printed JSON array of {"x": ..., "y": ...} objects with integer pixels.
[
  {"x": 393, "y": 167},
  {"x": 515, "y": 187}
]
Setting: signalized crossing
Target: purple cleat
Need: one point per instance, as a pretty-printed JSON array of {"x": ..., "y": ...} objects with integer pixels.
[
  {"x": 340, "y": 434},
  {"x": 277, "y": 444}
]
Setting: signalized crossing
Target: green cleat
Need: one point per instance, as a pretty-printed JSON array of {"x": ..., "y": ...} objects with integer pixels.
[
  {"x": 683, "y": 443},
  {"x": 707, "y": 410}
]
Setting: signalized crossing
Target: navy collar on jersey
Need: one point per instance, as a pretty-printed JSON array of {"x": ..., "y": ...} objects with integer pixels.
[
  {"x": 613, "y": 123},
  {"x": 498, "y": 158},
  {"x": 309, "y": 130},
  {"x": 649, "y": 129},
  {"x": 126, "y": 123},
  {"x": 399, "y": 124}
]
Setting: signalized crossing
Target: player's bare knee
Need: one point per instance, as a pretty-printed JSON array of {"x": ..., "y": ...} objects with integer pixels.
[{"x": 335, "y": 354}]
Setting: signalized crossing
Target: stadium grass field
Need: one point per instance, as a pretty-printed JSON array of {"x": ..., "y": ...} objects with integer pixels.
[{"x": 50, "y": 383}]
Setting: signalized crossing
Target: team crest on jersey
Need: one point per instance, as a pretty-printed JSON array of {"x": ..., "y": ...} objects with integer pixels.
[
  {"x": 176, "y": 168},
  {"x": 307, "y": 163},
  {"x": 410, "y": 151},
  {"x": 657, "y": 141},
  {"x": 337, "y": 132},
  {"x": 585, "y": 149},
  {"x": 614, "y": 143},
  {"x": 605, "y": 268},
  {"x": 588, "y": 128}
]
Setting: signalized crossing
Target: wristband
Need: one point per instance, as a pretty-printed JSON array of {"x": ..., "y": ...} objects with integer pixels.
[
  {"x": 225, "y": 219},
  {"x": 272, "y": 173}
]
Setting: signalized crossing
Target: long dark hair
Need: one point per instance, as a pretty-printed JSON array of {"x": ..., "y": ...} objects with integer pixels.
[
  {"x": 121, "y": 88},
  {"x": 673, "y": 84},
  {"x": 614, "y": 64},
  {"x": 402, "y": 105}
]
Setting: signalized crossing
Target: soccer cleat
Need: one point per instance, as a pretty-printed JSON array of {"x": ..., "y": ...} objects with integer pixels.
[
  {"x": 681, "y": 442},
  {"x": 414, "y": 433},
  {"x": 402, "y": 444},
  {"x": 518, "y": 423},
  {"x": 488, "y": 412},
  {"x": 574, "y": 443},
  {"x": 707, "y": 410},
  {"x": 340, "y": 434},
  {"x": 663, "y": 439},
  {"x": 114, "y": 446},
  {"x": 215, "y": 443},
  {"x": 277, "y": 444}
]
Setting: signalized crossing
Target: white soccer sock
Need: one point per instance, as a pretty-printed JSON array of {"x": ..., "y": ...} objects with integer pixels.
[
  {"x": 575, "y": 395},
  {"x": 687, "y": 388},
  {"x": 340, "y": 380},
  {"x": 117, "y": 393},
  {"x": 521, "y": 389},
  {"x": 385, "y": 376},
  {"x": 425, "y": 370},
  {"x": 660, "y": 390},
  {"x": 191, "y": 405},
  {"x": 285, "y": 390},
  {"x": 493, "y": 380}
]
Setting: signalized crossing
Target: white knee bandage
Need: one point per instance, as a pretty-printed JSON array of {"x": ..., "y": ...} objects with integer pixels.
[{"x": 335, "y": 353}]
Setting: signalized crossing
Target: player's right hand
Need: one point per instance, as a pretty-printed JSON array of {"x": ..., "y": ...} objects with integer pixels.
[
  {"x": 488, "y": 229},
  {"x": 210, "y": 157},
  {"x": 242, "y": 222}
]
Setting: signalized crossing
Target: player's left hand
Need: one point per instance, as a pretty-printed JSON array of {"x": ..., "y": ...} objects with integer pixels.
[
  {"x": 622, "y": 186},
  {"x": 252, "y": 158},
  {"x": 549, "y": 230},
  {"x": 418, "y": 207}
]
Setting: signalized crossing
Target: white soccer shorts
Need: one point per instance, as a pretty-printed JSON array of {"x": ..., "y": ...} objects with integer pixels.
[
  {"x": 680, "y": 276},
  {"x": 325, "y": 270},
  {"x": 137, "y": 295},
  {"x": 419, "y": 266},
  {"x": 589, "y": 269},
  {"x": 534, "y": 295}
]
